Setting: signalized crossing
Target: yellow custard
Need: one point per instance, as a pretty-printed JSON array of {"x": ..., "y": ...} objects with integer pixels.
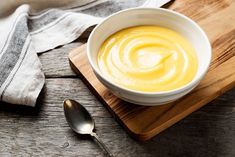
[{"x": 148, "y": 59}]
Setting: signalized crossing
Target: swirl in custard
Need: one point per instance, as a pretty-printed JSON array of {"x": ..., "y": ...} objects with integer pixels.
[{"x": 148, "y": 59}]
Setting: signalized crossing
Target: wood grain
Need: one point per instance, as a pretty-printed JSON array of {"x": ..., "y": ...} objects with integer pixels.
[
  {"x": 43, "y": 131},
  {"x": 145, "y": 122},
  {"x": 61, "y": 62}
]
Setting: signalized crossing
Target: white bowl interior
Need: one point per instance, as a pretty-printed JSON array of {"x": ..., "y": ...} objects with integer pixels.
[{"x": 150, "y": 16}]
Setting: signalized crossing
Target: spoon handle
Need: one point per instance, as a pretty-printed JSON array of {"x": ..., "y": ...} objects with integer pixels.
[{"x": 94, "y": 135}]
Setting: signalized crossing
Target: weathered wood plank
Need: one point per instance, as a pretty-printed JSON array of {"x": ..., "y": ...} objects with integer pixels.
[
  {"x": 43, "y": 130},
  {"x": 55, "y": 62}
]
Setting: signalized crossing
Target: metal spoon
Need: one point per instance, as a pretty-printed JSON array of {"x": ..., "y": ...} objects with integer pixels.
[{"x": 81, "y": 122}]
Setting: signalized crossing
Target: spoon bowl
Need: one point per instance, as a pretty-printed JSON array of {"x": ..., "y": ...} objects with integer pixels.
[{"x": 78, "y": 117}]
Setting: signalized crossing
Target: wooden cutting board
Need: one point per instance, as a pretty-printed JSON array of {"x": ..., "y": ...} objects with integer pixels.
[{"x": 217, "y": 18}]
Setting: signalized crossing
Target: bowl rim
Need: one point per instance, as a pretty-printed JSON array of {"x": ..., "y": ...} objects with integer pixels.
[{"x": 169, "y": 92}]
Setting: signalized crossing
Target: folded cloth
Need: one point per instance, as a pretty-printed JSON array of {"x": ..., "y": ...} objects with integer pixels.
[{"x": 29, "y": 30}]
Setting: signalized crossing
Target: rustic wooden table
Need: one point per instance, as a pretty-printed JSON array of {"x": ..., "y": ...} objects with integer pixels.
[{"x": 43, "y": 131}]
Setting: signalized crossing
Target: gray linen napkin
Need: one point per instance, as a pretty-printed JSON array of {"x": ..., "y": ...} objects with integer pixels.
[{"x": 29, "y": 30}]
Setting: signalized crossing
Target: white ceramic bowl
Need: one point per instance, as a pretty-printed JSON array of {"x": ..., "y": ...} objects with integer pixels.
[{"x": 150, "y": 16}]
